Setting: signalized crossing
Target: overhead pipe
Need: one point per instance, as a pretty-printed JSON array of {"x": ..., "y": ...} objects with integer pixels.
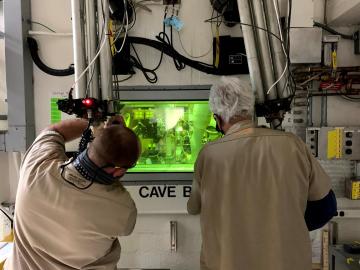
[
  {"x": 277, "y": 49},
  {"x": 264, "y": 49},
  {"x": 326, "y": 69},
  {"x": 251, "y": 52},
  {"x": 77, "y": 13},
  {"x": 105, "y": 54},
  {"x": 92, "y": 42}
]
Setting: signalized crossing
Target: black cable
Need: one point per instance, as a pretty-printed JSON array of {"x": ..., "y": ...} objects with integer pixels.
[
  {"x": 150, "y": 74},
  {"x": 333, "y": 31},
  {"x": 251, "y": 25},
  {"x": 86, "y": 137},
  {"x": 116, "y": 81},
  {"x": 162, "y": 53},
  {"x": 33, "y": 47},
  {"x": 43, "y": 25},
  {"x": 165, "y": 38},
  {"x": 134, "y": 19},
  {"x": 127, "y": 78},
  {"x": 168, "y": 50},
  {"x": 179, "y": 65},
  {"x": 9, "y": 218},
  {"x": 137, "y": 63}
]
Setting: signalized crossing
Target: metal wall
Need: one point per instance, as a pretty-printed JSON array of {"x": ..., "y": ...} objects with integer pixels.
[{"x": 19, "y": 83}]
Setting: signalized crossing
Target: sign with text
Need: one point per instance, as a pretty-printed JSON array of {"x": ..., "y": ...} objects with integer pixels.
[
  {"x": 163, "y": 191},
  {"x": 153, "y": 199}
]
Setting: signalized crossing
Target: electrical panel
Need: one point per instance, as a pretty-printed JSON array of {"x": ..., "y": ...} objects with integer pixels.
[
  {"x": 329, "y": 143},
  {"x": 306, "y": 45},
  {"x": 229, "y": 54}
]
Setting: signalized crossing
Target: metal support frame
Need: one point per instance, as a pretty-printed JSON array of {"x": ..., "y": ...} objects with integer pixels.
[
  {"x": 19, "y": 71},
  {"x": 78, "y": 27},
  {"x": 105, "y": 55},
  {"x": 91, "y": 40},
  {"x": 173, "y": 236},
  {"x": 323, "y": 120},
  {"x": 2, "y": 142},
  {"x": 264, "y": 48},
  {"x": 277, "y": 53},
  {"x": 251, "y": 52}
]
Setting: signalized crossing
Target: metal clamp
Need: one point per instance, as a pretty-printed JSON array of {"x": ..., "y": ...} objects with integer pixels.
[{"x": 173, "y": 236}]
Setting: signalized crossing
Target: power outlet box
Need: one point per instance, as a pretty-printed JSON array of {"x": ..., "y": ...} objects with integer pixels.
[{"x": 171, "y": 2}]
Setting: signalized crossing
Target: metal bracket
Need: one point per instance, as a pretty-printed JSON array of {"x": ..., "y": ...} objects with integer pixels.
[
  {"x": 173, "y": 236},
  {"x": 2, "y": 142}
]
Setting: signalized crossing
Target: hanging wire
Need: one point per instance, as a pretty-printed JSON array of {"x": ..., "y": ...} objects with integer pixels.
[
  {"x": 283, "y": 47},
  {"x": 211, "y": 20},
  {"x": 126, "y": 29},
  {"x": 96, "y": 56},
  {"x": 190, "y": 55},
  {"x": 43, "y": 25},
  {"x": 105, "y": 39}
]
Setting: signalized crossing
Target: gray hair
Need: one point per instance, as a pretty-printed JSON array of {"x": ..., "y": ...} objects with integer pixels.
[{"x": 231, "y": 97}]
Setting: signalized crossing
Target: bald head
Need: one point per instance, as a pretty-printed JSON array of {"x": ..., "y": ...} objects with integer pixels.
[{"x": 117, "y": 145}]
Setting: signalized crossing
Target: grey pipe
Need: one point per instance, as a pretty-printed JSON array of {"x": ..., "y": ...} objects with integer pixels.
[
  {"x": 251, "y": 53},
  {"x": 105, "y": 55},
  {"x": 92, "y": 42},
  {"x": 277, "y": 53},
  {"x": 264, "y": 49},
  {"x": 77, "y": 11}
]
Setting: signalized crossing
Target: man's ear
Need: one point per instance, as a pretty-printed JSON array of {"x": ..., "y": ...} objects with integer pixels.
[
  {"x": 97, "y": 128},
  {"x": 218, "y": 120},
  {"x": 118, "y": 172}
]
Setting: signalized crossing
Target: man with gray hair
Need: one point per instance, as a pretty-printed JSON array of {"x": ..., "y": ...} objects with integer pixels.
[{"x": 258, "y": 191}]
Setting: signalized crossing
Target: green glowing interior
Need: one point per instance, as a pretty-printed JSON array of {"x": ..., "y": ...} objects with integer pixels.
[{"x": 171, "y": 133}]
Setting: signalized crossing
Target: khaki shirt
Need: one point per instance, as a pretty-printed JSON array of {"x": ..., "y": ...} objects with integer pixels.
[
  {"x": 251, "y": 188},
  {"x": 60, "y": 227}
]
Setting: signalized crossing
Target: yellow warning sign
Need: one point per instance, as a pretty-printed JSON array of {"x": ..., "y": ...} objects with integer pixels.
[{"x": 334, "y": 147}]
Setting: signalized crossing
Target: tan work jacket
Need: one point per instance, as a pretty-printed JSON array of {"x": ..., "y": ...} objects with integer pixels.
[
  {"x": 60, "y": 227},
  {"x": 251, "y": 188}
]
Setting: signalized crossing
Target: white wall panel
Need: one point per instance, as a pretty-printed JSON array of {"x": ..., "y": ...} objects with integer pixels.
[
  {"x": 343, "y": 12},
  {"x": 54, "y": 51},
  {"x": 302, "y": 13}
]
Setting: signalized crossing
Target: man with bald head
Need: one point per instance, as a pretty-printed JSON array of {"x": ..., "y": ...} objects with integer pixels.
[{"x": 69, "y": 213}]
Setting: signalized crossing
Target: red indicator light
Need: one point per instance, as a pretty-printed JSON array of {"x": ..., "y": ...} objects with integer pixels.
[{"x": 88, "y": 102}]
